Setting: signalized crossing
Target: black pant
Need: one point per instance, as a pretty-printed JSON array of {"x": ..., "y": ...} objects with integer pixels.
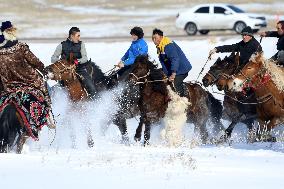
[
  {"x": 178, "y": 84},
  {"x": 86, "y": 79}
]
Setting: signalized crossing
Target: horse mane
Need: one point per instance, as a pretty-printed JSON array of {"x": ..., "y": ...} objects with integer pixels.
[
  {"x": 155, "y": 74},
  {"x": 276, "y": 72}
]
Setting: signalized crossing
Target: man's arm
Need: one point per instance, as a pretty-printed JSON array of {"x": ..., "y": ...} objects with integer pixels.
[
  {"x": 172, "y": 55},
  {"x": 32, "y": 59},
  {"x": 84, "y": 58},
  {"x": 56, "y": 54},
  {"x": 228, "y": 48}
]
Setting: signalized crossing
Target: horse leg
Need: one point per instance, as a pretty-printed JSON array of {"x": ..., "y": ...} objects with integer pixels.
[
  {"x": 201, "y": 127},
  {"x": 90, "y": 140},
  {"x": 9, "y": 127},
  {"x": 20, "y": 142},
  {"x": 251, "y": 132},
  {"x": 137, "y": 136},
  {"x": 120, "y": 121},
  {"x": 266, "y": 131},
  {"x": 147, "y": 133}
]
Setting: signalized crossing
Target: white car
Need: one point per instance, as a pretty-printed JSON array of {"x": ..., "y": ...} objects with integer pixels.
[{"x": 206, "y": 17}]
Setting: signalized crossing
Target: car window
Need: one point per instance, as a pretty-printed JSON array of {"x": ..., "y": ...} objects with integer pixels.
[
  {"x": 202, "y": 10},
  {"x": 236, "y": 9},
  {"x": 219, "y": 10}
]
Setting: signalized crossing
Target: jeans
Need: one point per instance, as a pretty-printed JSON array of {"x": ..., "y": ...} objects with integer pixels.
[
  {"x": 86, "y": 79},
  {"x": 178, "y": 84}
]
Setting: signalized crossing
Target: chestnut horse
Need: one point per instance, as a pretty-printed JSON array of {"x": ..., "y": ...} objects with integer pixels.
[
  {"x": 154, "y": 100},
  {"x": 237, "y": 106},
  {"x": 266, "y": 80},
  {"x": 65, "y": 71}
]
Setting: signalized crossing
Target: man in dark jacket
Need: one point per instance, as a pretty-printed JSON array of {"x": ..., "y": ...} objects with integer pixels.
[
  {"x": 174, "y": 62},
  {"x": 279, "y": 56},
  {"x": 73, "y": 45},
  {"x": 246, "y": 47}
]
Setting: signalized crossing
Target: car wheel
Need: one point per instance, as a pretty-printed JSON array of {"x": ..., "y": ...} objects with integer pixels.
[
  {"x": 190, "y": 28},
  {"x": 203, "y": 32},
  {"x": 239, "y": 26}
]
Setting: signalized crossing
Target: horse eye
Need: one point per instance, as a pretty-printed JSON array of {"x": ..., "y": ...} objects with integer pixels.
[{"x": 249, "y": 68}]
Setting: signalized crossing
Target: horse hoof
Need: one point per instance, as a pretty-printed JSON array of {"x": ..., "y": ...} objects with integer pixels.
[
  {"x": 125, "y": 140},
  {"x": 146, "y": 143},
  {"x": 91, "y": 143},
  {"x": 137, "y": 139}
]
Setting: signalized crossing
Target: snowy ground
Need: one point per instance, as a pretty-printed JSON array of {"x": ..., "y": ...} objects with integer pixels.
[{"x": 67, "y": 162}]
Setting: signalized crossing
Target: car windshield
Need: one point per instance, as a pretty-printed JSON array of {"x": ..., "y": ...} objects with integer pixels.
[{"x": 236, "y": 9}]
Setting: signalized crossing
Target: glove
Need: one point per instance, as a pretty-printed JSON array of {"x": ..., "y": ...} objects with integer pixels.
[
  {"x": 76, "y": 62},
  {"x": 211, "y": 52}
]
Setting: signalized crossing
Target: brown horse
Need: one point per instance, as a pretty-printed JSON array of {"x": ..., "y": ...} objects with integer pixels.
[
  {"x": 266, "y": 79},
  {"x": 65, "y": 71},
  {"x": 235, "y": 104},
  {"x": 154, "y": 100}
]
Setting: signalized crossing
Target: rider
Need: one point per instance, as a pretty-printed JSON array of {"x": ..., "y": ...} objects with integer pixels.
[
  {"x": 22, "y": 82},
  {"x": 137, "y": 47},
  {"x": 279, "y": 56},
  {"x": 174, "y": 62},
  {"x": 246, "y": 47},
  {"x": 73, "y": 45}
]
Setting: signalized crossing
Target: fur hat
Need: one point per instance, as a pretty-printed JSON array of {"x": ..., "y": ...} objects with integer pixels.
[
  {"x": 247, "y": 31},
  {"x": 137, "y": 31},
  {"x": 6, "y": 25},
  {"x": 9, "y": 31}
]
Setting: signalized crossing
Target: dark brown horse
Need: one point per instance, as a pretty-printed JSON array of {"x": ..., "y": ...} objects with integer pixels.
[
  {"x": 237, "y": 107},
  {"x": 154, "y": 100},
  {"x": 127, "y": 101},
  {"x": 265, "y": 78},
  {"x": 11, "y": 128}
]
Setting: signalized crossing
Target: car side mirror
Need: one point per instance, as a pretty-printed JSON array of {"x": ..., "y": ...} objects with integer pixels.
[{"x": 227, "y": 12}]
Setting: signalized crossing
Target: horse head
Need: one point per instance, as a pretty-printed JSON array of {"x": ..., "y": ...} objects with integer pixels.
[
  {"x": 61, "y": 70},
  {"x": 250, "y": 73},
  {"x": 141, "y": 69},
  {"x": 211, "y": 76},
  {"x": 230, "y": 65}
]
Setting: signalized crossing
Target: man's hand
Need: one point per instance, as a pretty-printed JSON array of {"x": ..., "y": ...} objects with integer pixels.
[
  {"x": 76, "y": 62},
  {"x": 262, "y": 34},
  {"x": 211, "y": 52},
  {"x": 172, "y": 77},
  {"x": 120, "y": 64}
]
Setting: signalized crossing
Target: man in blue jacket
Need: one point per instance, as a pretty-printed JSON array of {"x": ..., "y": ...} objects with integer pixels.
[
  {"x": 137, "y": 47},
  {"x": 174, "y": 62}
]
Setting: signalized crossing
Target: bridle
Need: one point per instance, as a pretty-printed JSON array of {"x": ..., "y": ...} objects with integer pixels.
[
  {"x": 137, "y": 79},
  {"x": 69, "y": 69}
]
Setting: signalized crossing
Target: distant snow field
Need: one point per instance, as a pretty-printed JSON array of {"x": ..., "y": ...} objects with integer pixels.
[{"x": 62, "y": 159}]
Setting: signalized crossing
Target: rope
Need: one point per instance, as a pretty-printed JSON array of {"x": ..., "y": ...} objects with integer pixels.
[
  {"x": 266, "y": 98},
  {"x": 209, "y": 58}
]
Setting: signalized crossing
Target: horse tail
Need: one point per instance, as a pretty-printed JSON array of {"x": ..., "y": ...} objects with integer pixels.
[
  {"x": 216, "y": 110},
  {"x": 9, "y": 127}
]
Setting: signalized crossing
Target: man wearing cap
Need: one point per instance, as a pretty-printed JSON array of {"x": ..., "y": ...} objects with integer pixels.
[
  {"x": 73, "y": 45},
  {"x": 173, "y": 60},
  {"x": 246, "y": 47},
  {"x": 137, "y": 47},
  {"x": 279, "y": 56}
]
